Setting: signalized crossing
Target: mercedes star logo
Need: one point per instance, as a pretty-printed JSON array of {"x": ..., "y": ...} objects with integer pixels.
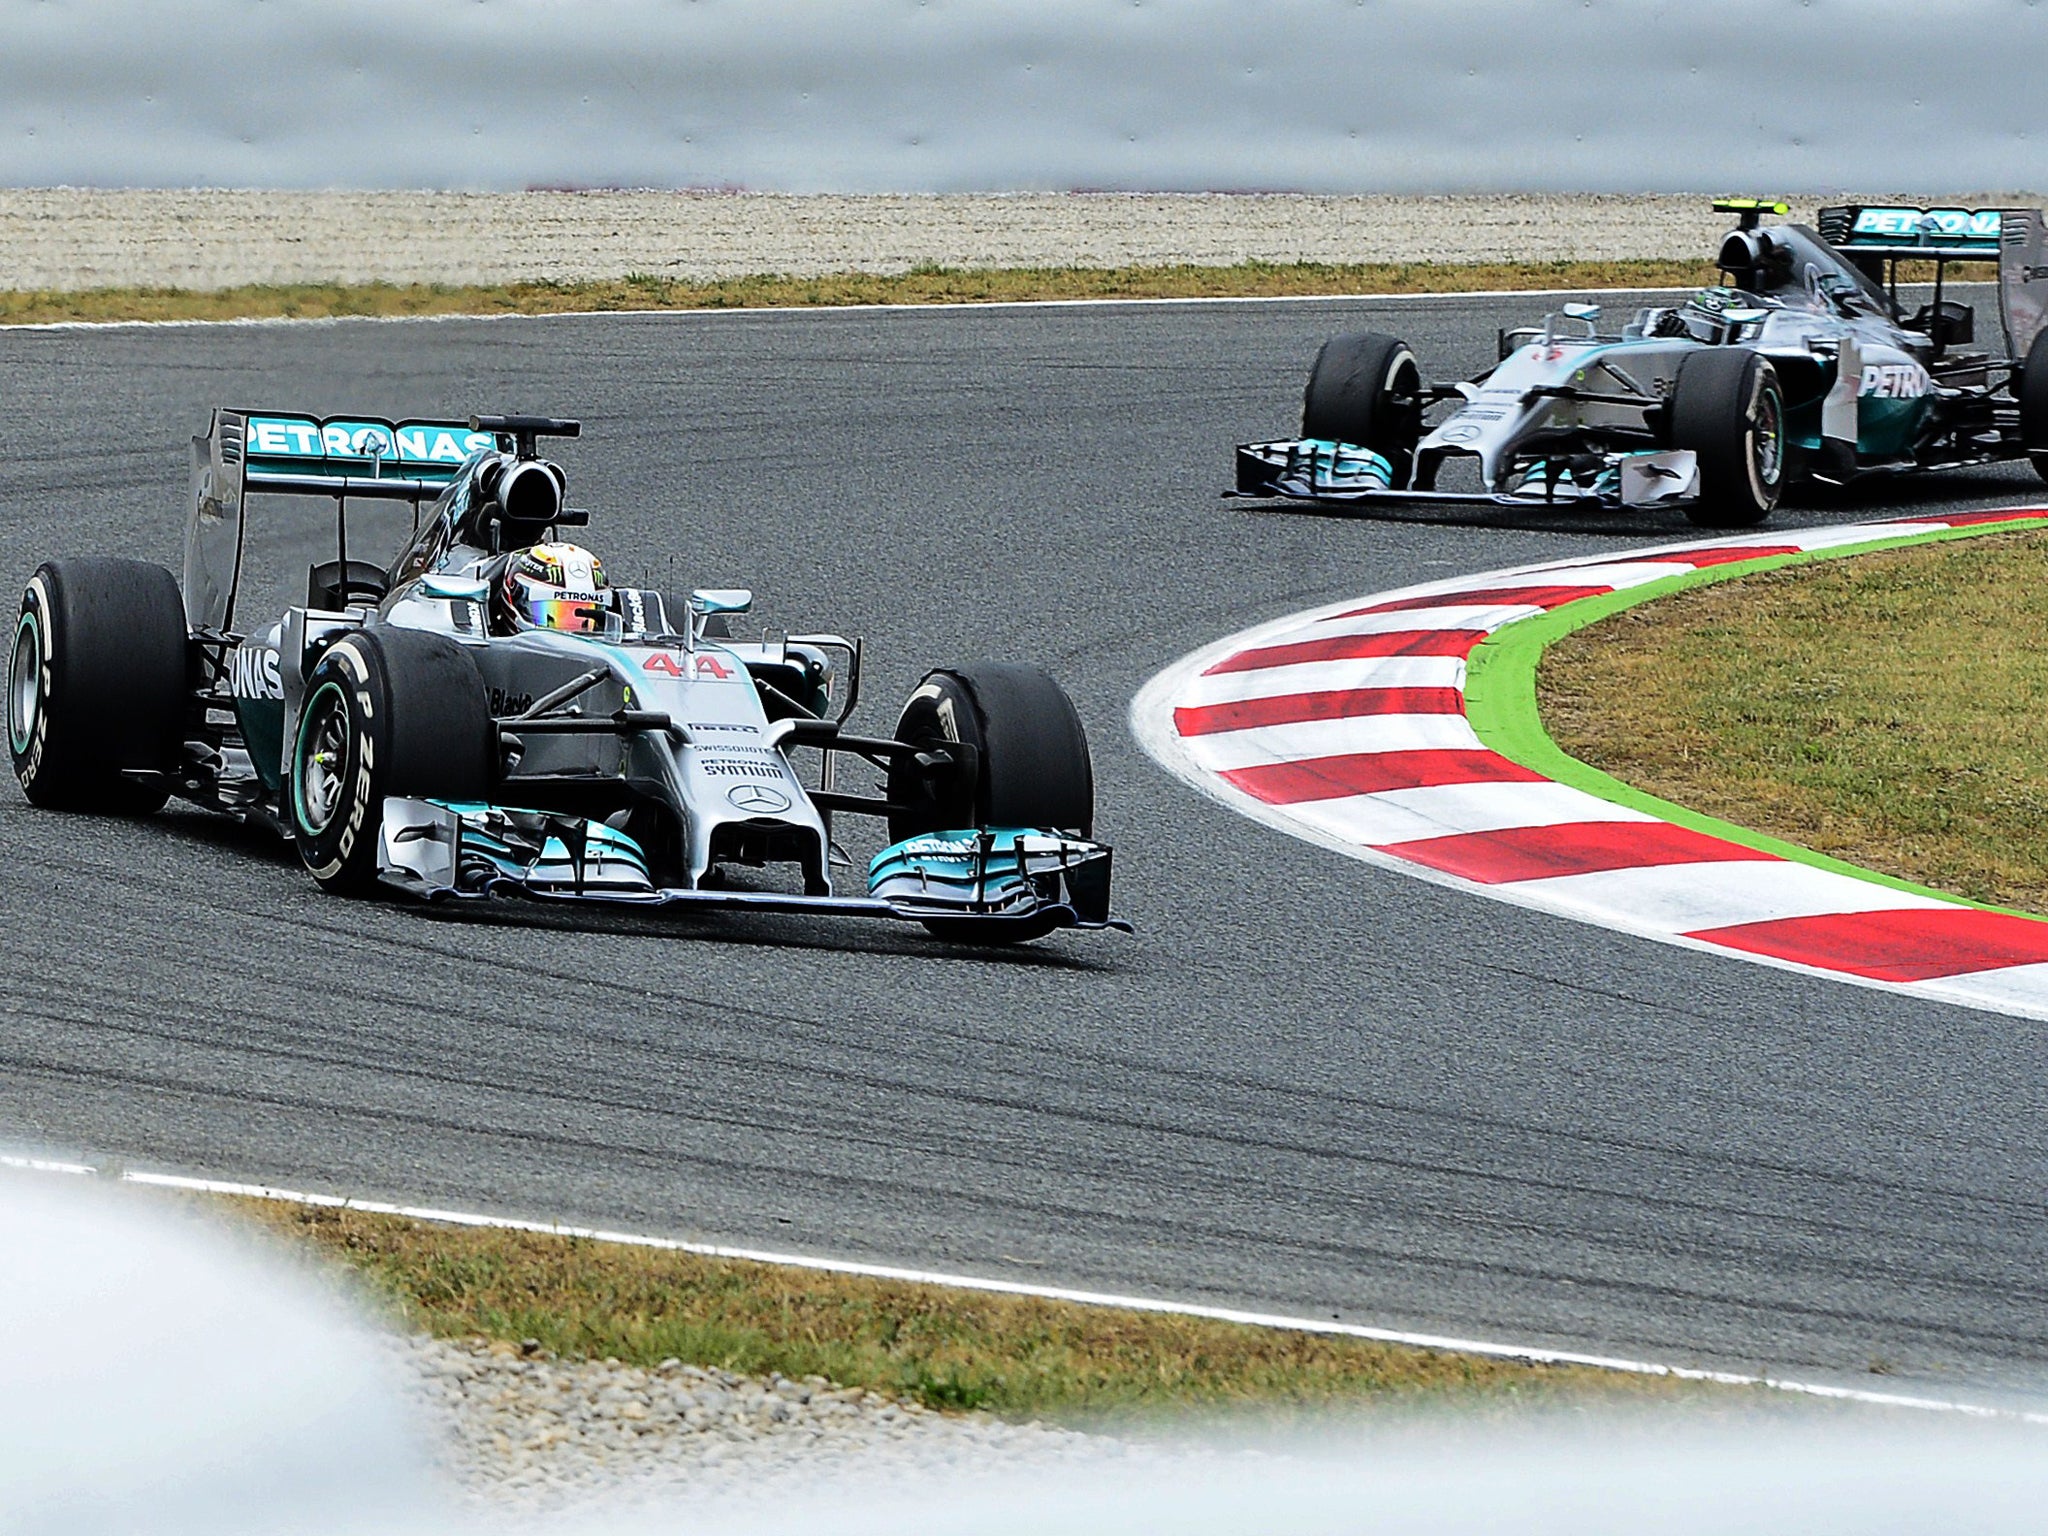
[{"x": 758, "y": 799}]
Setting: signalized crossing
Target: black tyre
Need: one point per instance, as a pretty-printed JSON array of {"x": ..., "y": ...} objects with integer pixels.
[
  {"x": 387, "y": 712},
  {"x": 2033, "y": 392},
  {"x": 1366, "y": 389},
  {"x": 1026, "y": 765},
  {"x": 98, "y": 686},
  {"x": 1728, "y": 408}
]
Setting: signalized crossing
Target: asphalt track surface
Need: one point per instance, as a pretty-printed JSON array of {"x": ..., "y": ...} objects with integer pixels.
[{"x": 1305, "y": 1086}]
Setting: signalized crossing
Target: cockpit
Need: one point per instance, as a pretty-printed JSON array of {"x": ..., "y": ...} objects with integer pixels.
[
  {"x": 1789, "y": 264},
  {"x": 1768, "y": 272}
]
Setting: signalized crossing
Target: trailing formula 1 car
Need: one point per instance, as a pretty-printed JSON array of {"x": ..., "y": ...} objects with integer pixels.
[
  {"x": 1801, "y": 364},
  {"x": 489, "y": 715}
]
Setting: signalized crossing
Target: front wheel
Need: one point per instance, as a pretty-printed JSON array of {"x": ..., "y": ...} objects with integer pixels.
[
  {"x": 97, "y": 691},
  {"x": 1009, "y": 752},
  {"x": 1365, "y": 389},
  {"x": 1729, "y": 409},
  {"x": 387, "y": 712}
]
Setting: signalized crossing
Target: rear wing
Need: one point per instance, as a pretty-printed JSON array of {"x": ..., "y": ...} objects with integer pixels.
[
  {"x": 2014, "y": 238},
  {"x": 245, "y": 453},
  {"x": 353, "y": 456},
  {"x": 1913, "y": 234}
]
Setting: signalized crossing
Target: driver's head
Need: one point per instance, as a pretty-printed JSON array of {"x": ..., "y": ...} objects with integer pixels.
[{"x": 554, "y": 586}]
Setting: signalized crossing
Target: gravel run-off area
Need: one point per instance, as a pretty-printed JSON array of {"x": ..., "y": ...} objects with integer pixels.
[
  {"x": 519, "y": 1429},
  {"x": 65, "y": 238}
]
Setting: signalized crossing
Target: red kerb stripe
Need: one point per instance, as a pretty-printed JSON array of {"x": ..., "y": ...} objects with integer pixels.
[
  {"x": 1910, "y": 945},
  {"x": 1299, "y": 708},
  {"x": 1369, "y": 773},
  {"x": 1400, "y": 642},
  {"x": 1487, "y": 597},
  {"x": 1968, "y": 519},
  {"x": 1573, "y": 848}
]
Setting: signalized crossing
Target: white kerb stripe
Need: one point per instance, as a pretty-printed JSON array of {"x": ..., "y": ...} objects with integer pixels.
[
  {"x": 1345, "y": 676},
  {"x": 1863, "y": 533},
  {"x": 1685, "y": 898},
  {"x": 1480, "y": 616},
  {"x": 1620, "y": 575},
  {"x": 2008, "y": 988},
  {"x": 1449, "y": 810},
  {"x": 1263, "y": 745}
]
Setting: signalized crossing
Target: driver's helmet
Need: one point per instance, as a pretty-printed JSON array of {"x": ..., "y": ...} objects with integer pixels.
[{"x": 553, "y": 586}]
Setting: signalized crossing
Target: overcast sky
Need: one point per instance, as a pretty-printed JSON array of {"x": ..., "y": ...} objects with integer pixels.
[{"x": 993, "y": 95}]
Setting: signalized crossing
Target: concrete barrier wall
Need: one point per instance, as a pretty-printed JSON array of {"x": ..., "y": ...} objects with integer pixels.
[{"x": 956, "y": 95}]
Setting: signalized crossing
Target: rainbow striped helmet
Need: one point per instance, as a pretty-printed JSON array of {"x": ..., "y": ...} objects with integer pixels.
[{"x": 555, "y": 586}]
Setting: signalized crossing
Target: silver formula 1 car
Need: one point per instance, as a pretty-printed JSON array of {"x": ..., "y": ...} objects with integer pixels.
[
  {"x": 1801, "y": 364},
  {"x": 436, "y": 728}
]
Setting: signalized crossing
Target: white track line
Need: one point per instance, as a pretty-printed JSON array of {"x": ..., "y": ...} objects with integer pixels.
[
  {"x": 832, "y": 309},
  {"x": 1531, "y": 1354}
]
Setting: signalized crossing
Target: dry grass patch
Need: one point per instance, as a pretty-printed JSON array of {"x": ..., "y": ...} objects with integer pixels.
[
  {"x": 1017, "y": 1356},
  {"x": 924, "y": 285},
  {"x": 1889, "y": 709}
]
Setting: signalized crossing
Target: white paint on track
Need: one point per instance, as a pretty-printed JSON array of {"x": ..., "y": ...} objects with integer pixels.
[
  {"x": 963, "y": 306},
  {"x": 1492, "y": 1349}
]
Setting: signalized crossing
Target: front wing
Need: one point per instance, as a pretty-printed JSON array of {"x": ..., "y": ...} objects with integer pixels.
[
  {"x": 1001, "y": 878},
  {"x": 1317, "y": 469}
]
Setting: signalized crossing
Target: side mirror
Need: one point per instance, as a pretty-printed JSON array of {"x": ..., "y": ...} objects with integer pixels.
[
  {"x": 1585, "y": 314},
  {"x": 707, "y": 601},
  {"x": 721, "y": 600},
  {"x": 457, "y": 588}
]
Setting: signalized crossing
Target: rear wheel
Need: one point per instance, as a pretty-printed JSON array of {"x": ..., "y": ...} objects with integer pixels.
[
  {"x": 1016, "y": 756},
  {"x": 387, "y": 712},
  {"x": 2033, "y": 393},
  {"x": 97, "y": 690},
  {"x": 1366, "y": 389},
  {"x": 1728, "y": 408}
]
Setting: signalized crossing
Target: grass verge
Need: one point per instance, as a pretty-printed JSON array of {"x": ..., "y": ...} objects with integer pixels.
[
  {"x": 923, "y": 285},
  {"x": 1016, "y": 1356},
  {"x": 1890, "y": 710}
]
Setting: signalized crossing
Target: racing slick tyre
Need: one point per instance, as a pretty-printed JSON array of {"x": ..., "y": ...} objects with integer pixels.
[
  {"x": 1025, "y": 764},
  {"x": 387, "y": 712},
  {"x": 98, "y": 690},
  {"x": 1728, "y": 408},
  {"x": 1365, "y": 389},
  {"x": 2033, "y": 392}
]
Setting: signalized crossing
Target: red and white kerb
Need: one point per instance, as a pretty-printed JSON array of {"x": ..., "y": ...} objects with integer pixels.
[{"x": 1347, "y": 726}]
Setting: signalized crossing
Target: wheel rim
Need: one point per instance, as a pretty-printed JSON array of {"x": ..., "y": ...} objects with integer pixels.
[
  {"x": 1767, "y": 436},
  {"x": 25, "y": 683},
  {"x": 320, "y": 765},
  {"x": 1401, "y": 407}
]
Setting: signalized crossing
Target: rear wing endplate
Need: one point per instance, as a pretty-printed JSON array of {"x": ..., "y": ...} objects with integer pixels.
[
  {"x": 2023, "y": 278},
  {"x": 245, "y": 453}
]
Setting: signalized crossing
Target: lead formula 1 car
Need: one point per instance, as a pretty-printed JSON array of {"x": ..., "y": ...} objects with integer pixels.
[
  {"x": 487, "y": 715},
  {"x": 1802, "y": 364}
]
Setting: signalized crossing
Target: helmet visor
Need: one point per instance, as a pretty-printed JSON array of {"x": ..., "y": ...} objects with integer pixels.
[{"x": 573, "y": 615}]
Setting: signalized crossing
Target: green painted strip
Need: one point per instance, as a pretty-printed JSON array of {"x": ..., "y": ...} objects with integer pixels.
[{"x": 1500, "y": 697}]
